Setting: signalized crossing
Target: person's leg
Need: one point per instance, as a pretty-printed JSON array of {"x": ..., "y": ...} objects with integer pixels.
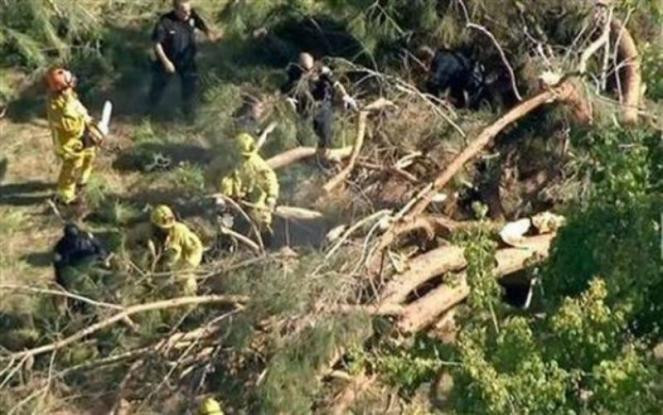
[
  {"x": 88, "y": 158},
  {"x": 323, "y": 125},
  {"x": 189, "y": 78},
  {"x": 160, "y": 80},
  {"x": 66, "y": 187}
]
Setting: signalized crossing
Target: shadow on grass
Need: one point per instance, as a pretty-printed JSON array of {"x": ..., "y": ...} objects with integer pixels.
[
  {"x": 25, "y": 194},
  {"x": 39, "y": 259}
]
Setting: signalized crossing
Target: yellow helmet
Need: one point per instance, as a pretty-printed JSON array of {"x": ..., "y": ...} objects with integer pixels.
[
  {"x": 163, "y": 217},
  {"x": 245, "y": 144},
  {"x": 210, "y": 407}
]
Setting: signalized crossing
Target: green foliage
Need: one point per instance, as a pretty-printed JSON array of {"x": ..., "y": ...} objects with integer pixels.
[
  {"x": 652, "y": 70},
  {"x": 578, "y": 361},
  {"x": 617, "y": 236},
  {"x": 407, "y": 367},
  {"x": 292, "y": 380},
  {"x": 480, "y": 255}
]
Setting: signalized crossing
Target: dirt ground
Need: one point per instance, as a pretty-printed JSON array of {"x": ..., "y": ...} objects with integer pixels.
[{"x": 28, "y": 226}]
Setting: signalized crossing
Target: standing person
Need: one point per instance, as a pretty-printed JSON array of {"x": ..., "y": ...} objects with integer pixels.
[
  {"x": 175, "y": 48},
  {"x": 311, "y": 89},
  {"x": 75, "y": 136}
]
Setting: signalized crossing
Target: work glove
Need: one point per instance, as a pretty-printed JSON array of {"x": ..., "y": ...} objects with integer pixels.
[
  {"x": 350, "y": 103},
  {"x": 292, "y": 102},
  {"x": 271, "y": 203}
]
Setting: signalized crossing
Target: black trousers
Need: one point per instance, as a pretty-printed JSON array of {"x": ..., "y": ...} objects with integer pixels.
[
  {"x": 188, "y": 75},
  {"x": 323, "y": 121}
]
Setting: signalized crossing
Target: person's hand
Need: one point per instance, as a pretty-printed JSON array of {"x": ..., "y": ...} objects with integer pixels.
[
  {"x": 214, "y": 36},
  {"x": 169, "y": 67},
  {"x": 292, "y": 102},
  {"x": 271, "y": 203},
  {"x": 259, "y": 33},
  {"x": 271, "y": 127},
  {"x": 350, "y": 103}
]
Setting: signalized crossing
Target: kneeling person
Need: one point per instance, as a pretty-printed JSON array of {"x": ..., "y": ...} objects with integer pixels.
[
  {"x": 175, "y": 247},
  {"x": 254, "y": 182},
  {"x": 75, "y": 248}
]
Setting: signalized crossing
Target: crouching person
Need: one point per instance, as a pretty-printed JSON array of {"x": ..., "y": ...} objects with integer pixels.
[
  {"x": 252, "y": 182},
  {"x": 171, "y": 246},
  {"x": 77, "y": 249}
]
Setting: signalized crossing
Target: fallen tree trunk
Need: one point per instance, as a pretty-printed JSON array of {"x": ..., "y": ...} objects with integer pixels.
[
  {"x": 629, "y": 72},
  {"x": 565, "y": 91},
  {"x": 561, "y": 92},
  {"x": 299, "y": 153},
  {"x": 421, "y": 269},
  {"x": 423, "y": 312}
]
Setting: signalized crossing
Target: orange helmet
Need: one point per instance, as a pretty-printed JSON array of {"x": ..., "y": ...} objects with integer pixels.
[{"x": 59, "y": 79}]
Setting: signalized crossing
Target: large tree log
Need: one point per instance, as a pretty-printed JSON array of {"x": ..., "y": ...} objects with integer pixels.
[
  {"x": 299, "y": 153},
  {"x": 423, "y": 312},
  {"x": 562, "y": 92},
  {"x": 630, "y": 74},
  {"x": 421, "y": 269}
]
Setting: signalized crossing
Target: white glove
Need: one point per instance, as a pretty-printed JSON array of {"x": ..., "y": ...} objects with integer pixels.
[
  {"x": 292, "y": 102},
  {"x": 350, "y": 103}
]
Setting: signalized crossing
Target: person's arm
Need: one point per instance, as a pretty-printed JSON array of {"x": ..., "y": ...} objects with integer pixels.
[
  {"x": 340, "y": 89},
  {"x": 161, "y": 55},
  {"x": 158, "y": 37},
  {"x": 269, "y": 183},
  {"x": 201, "y": 25}
]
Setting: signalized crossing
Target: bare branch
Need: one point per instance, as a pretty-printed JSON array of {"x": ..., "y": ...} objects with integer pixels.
[{"x": 129, "y": 311}]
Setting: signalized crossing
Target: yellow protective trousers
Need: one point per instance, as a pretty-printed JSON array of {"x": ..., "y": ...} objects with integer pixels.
[{"x": 75, "y": 171}]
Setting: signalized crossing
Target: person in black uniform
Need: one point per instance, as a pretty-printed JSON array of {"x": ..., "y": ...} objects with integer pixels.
[
  {"x": 73, "y": 249},
  {"x": 463, "y": 77},
  {"x": 175, "y": 48},
  {"x": 311, "y": 90}
]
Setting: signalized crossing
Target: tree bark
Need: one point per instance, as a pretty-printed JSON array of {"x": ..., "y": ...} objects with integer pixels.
[
  {"x": 299, "y": 153},
  {"x": 421, "y": 269},
  {"x": 630, "y": 73},
  {"x": 423, "y": 312},
  {"x": 564, "y": 91}
]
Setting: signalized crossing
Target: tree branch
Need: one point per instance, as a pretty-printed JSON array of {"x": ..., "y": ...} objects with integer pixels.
[{"x": 141, "y": 308}]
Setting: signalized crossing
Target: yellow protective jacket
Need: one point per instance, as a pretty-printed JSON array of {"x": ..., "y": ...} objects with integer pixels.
[
  {"x": 253, "y": 180},
  {"x": 182, "y": 248},
  {"x": 67, "y": 118}
]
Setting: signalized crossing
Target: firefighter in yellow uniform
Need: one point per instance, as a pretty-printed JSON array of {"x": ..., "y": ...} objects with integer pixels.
[
  {"x": 253, "y": 181},
  {"x": 177, "y": 246},
  {"x": 74, "y": 134},
  {"x": 210, "y": 407}
]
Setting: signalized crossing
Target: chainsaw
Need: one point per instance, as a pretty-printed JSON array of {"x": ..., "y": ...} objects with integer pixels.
[{"x": 96, "y": 133}]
